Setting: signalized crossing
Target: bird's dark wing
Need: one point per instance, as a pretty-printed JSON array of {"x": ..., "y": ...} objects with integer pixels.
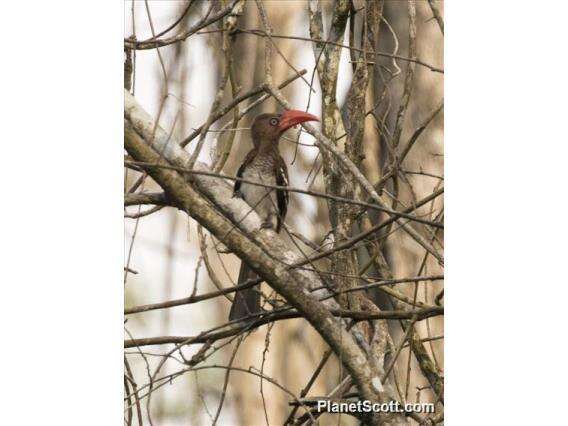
[
  {"x": 249, "y": 157},
  {"x": 282, "y": 196}
]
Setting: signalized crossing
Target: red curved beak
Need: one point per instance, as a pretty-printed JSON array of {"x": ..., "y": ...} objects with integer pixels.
[{"x": 292, "y": 117}]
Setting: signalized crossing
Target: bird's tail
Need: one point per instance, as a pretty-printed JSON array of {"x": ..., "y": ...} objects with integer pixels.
[{"x": 246, "y": 301}]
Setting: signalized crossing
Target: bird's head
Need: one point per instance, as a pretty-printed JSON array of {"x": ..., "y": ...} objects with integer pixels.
[{"x": 269, "y": 127}]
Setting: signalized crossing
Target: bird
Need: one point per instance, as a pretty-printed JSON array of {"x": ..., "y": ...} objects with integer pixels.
[{"x": 265, "y": 165}]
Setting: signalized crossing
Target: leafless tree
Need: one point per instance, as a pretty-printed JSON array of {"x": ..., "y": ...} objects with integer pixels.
[{"x": 352, "y": 293}]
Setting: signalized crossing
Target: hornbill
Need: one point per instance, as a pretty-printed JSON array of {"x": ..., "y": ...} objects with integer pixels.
[{"x": 264, "y": 165}]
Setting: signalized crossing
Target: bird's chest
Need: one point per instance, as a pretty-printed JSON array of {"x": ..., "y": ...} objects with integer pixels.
[
  {"x": 261, "y": 168},
  {"x": 260, "y": 198}
]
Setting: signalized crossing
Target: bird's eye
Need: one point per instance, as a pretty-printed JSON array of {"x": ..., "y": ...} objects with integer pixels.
[{"x": 273, "y": 121}]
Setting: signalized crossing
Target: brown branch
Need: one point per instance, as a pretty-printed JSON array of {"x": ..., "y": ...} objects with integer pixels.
[
  {"x": 437, "y": 15},
  {"x": 172, "y": 26},
  {"x": 261, "y": 33},
  {"x": 191, "y": 299},
  {"x": 144, "y": 213},
  {"x": 251, "y": 283},
  {"x": 269, "y": 317},
  {"x": 155, "y": 198},
  {"x": 204, "y": 22}
]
